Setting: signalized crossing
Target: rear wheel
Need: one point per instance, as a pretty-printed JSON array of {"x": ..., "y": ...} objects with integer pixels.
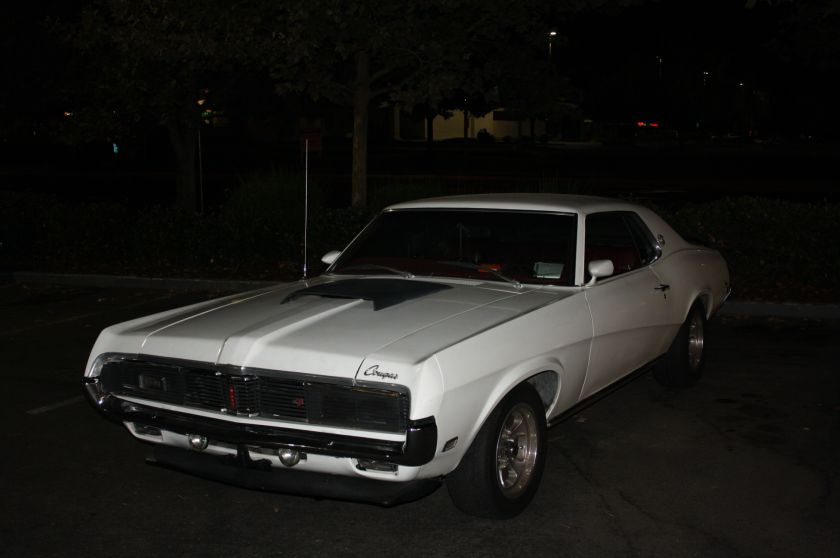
[
  {"x": 683, "y": 363},
  {"x": 500, "y": 473}
]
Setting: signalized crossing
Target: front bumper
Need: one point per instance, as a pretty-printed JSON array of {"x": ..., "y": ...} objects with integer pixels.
[
  {"x": 418, "y": 448},
  {"x": 242, "y": 471}
]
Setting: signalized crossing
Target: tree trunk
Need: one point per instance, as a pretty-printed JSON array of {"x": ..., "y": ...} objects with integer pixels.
[
  {"x": 183, "y": 136},
  {"x": 466, "y": 123},
  {"x": 430, "y": 128},
  {"x": 361, "y": 103}
]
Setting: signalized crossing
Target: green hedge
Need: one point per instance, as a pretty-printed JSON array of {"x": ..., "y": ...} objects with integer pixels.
[
  {"x": 776, "y": 249},
  {"x": 256, "y": 233}
]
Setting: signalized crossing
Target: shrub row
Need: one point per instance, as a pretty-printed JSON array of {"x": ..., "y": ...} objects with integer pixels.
[
  {"x": 257, "y": 233},
  {"x": 776, "y": 249}
]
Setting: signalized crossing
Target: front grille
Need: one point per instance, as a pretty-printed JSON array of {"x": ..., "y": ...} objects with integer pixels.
[
  {"x": 282, "y": 399},
  {"x": 259, "y": 395},
  {"x": 200, "y": 388}
]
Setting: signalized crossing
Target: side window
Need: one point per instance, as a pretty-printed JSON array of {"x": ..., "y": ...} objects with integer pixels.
[
  {"x": 608, "y": 237},
  {"x": 643, "y": 238}
]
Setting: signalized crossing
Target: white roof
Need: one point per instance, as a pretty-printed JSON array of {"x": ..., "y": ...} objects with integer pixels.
[{"x": 561, "y": 203}]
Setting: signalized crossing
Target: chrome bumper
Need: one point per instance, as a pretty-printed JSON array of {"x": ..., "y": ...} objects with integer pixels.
[{"x": 418, "y": 448}]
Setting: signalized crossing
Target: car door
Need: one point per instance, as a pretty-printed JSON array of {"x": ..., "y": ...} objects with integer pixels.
[{"x": 630, "y": 308}]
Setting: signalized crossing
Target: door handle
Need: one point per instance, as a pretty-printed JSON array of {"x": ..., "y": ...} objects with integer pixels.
[{"x": 662, "y": 287}]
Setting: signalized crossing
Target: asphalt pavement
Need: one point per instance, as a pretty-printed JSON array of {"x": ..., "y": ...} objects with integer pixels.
[{"x": 745, "y": 463}]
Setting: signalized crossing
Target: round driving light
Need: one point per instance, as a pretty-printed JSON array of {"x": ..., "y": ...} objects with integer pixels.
[
  {"x": 197, "y": 441},
  {"x": 289, "y": 457}
]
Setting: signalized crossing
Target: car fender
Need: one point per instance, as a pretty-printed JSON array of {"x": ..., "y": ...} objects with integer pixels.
[{"x": 458, "y": 421}]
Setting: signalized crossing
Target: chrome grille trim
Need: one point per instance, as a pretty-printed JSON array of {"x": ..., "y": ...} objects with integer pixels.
[{"x": 267, "y": 394}]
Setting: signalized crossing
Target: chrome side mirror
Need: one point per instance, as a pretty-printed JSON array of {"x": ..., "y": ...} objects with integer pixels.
[
  {"x": 598, "y": 269},
  {"x": 330, "y": 257}
]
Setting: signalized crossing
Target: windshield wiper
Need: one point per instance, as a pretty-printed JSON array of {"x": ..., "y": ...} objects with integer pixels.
[
  {"x": 483, "y": 269},
  {"x": 395, "y": 271}
]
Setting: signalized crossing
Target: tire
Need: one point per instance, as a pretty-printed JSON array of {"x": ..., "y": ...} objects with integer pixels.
[
  {"x": 500, "y": 473},
  {"x": 683, "y": 364}
]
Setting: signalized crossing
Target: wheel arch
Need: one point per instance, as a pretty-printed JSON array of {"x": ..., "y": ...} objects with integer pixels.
[
  {"x": 705, "y": 299},
  {"x": 546, "y": 380},
  {"x": 547, "y": 386}
]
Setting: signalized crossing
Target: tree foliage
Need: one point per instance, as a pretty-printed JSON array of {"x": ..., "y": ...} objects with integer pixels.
[
  {"x": 374, "y": 51},
  {"x": 152, "y": 60}
]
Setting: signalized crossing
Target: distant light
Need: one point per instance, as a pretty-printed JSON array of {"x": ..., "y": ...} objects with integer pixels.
[
  {"x": 641, "y": 124},
  {"x": 740, "y": 84},
  {"x": 116, "y": 148},
  {"x": 201, "y": 102},
  {"x": 67, "y": 114},
  {"x": 552, "y": 33},
  {"x": 654, "y": 124}
]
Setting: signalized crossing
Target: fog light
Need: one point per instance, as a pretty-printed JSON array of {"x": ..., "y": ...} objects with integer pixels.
[
  {"x": 197, "y": 441},
  {"x": 289, "y": 457}
]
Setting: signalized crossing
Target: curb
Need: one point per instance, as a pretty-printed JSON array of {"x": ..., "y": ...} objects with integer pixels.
[
  {"x": 731, "y": 308},
  {"x": 781, "y": 310}
]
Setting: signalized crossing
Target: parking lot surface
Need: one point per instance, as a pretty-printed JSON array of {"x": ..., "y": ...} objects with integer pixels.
[{"x": 745, "y": 463}]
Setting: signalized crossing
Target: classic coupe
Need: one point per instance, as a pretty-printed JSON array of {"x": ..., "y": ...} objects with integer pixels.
[{"x": 437, "y": 347}]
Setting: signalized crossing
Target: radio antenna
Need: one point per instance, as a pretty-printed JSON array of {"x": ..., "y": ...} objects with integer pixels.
[{"x": 305, "y": 200}]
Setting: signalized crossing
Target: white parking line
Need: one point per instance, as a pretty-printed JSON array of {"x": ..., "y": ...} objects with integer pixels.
[
  {"x": 54, "y": 406},
  {"x": 83, "y": 316}
]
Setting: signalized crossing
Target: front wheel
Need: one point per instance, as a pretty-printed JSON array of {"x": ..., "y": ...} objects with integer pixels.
[
  {"x": 500, "y": 473},
  {"x": 683, "y": 363}
]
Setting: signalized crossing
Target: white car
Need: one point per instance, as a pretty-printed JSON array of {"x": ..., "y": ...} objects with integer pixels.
[{"x": 438, "y": 346}]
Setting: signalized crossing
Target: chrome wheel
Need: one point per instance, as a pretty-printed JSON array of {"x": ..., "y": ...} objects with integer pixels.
[
  {"x": 695, "y": 340},
  {"x": 682, "y": 365},
  {"x": 500, "y": 473},
  {"x": 516, "y": 450}
]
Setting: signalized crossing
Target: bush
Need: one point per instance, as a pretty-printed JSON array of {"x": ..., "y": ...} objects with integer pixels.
[
  {"x": 775, "y": 248},
  {"x": 257, "y": 230},
  {"x": 37, "y": 231}
]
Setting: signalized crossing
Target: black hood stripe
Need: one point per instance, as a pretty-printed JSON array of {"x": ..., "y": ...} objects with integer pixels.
[{"x": 382, "y": 292}]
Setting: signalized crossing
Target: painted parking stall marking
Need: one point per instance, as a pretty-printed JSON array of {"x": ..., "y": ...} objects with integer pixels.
[{"x": 54, "y": 406}]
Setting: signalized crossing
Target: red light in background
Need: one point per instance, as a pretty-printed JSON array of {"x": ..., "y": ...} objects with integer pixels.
[
  {"x": 641, "y": 124},
  {"x": 654, "y": 124}
]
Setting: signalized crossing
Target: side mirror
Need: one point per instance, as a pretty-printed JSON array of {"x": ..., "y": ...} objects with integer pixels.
[
  {"x": 598, "y": 269},
  {"x": 330, "y": 257}
]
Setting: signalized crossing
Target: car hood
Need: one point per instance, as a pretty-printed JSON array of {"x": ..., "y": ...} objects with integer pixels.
[{"x": 315, "y": 327}]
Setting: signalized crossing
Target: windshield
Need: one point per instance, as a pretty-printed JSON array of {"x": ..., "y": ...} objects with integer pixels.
[{"x": 512, "y": 246}]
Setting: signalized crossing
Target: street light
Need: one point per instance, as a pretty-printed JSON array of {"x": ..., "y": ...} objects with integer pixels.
[{"x": 551, "y": 35}]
